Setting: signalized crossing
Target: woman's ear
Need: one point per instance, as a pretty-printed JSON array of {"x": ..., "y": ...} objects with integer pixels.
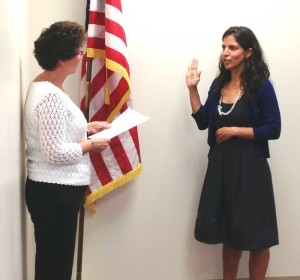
[
  {"x": 61, "y": 62},
  {"x": 249, "y": 52}
]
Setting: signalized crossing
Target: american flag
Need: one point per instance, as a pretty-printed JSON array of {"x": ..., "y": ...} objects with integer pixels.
[{"x": 106, "y": 77}]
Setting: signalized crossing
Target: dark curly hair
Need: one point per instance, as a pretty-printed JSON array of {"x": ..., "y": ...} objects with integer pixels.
[
  {"x": 255, "y": 70},
  {"x": 58, "y": 42}
]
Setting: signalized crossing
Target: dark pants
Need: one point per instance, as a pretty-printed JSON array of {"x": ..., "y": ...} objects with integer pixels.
[{"x": 54, "y": 212}]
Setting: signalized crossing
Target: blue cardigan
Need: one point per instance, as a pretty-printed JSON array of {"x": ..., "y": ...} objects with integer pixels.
[{"x": 265, "y": 117}]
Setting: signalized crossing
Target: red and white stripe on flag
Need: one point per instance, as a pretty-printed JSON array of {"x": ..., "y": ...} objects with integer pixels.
[{"x": 109, "y": 96}]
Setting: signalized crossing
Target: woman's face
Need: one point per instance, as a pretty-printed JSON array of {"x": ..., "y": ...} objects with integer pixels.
[
  {"x": 74, "y": 61},
  {"x": 233, "y": 55}
]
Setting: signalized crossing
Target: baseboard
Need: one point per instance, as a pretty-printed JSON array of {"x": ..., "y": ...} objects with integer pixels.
[
  {"x": 278, "y": 278},
  {"x": 284, "y": 278},
  {"x": 275, "y": 278}
]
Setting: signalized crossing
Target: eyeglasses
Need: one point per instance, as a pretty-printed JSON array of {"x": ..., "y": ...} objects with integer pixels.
[{"x": 80, "y": 53}]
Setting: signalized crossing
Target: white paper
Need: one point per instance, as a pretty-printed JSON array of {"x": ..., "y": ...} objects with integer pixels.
[{"x": 122, "y": 123}]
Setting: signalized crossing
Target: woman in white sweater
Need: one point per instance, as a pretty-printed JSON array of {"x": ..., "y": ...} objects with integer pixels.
[{"x": 58, "y": 162}]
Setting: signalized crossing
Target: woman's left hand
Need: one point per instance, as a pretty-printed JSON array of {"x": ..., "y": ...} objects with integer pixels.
[
  {"x": 94, "y": 127},
  {"x": 225, "y": 133}
]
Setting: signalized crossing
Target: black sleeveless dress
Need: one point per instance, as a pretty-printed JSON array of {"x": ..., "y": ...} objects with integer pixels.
[{"x": 237, "y": 204}]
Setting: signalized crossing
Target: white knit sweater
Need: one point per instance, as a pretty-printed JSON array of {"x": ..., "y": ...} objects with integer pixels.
[{"x": 53, "y": 127}]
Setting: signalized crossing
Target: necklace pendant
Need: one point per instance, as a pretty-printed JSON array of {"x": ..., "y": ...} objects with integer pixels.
[{"x": 220, "y": 110}]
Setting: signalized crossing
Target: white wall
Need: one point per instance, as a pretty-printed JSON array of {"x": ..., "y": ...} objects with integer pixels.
[
  {"x": 11, "y": 159},
  {"x": 145, "y": 229}
]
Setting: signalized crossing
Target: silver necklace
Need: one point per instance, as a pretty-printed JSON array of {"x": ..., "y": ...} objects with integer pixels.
[{"x": 233, "y": 105}]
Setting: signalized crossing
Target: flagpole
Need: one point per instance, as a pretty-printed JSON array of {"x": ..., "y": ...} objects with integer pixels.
[{"x": 82, "y": 208}]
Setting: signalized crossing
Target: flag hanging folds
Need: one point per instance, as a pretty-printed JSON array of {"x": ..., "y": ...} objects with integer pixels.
[{"x": 106, "y": 78}]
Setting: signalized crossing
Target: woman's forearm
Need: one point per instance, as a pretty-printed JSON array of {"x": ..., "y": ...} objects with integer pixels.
[
  {"x": 194, "y": 99},
  {"x": 243, "y": 132}
]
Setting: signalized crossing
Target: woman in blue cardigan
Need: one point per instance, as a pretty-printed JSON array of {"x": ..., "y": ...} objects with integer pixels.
[{"x": 241, "y": 112}]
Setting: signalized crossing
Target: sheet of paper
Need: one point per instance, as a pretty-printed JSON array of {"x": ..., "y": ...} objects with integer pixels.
[{"x": 122, "y": 123}]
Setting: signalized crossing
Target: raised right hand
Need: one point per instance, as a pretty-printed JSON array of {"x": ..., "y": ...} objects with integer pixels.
[{"x": 193, "y": 75}]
